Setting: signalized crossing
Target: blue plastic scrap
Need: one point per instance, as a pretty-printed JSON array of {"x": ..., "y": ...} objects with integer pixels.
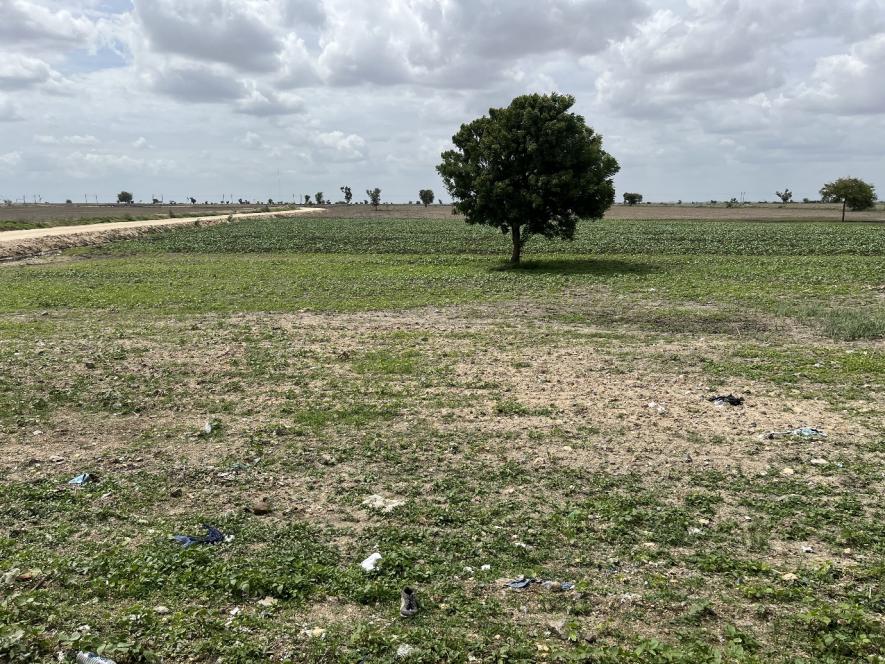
[
  {"x": 80, "y": 480},
  {"x": 212, "y": 536}
]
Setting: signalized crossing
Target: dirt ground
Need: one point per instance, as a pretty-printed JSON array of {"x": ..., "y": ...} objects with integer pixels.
[{"x": 16, "y": 245}]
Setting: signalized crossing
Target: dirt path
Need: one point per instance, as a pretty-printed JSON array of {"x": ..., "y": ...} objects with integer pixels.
[{"x": 22, "y": 244}]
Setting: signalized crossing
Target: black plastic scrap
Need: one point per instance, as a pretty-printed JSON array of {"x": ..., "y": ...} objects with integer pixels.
[
  {"x": 729, "y": 399},
  {"x": 212, "y": 536},
  {"x": 522, "y": 583}
]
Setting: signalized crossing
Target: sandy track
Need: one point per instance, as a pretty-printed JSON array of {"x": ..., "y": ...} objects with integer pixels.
[{"x": 35, "y": 241}]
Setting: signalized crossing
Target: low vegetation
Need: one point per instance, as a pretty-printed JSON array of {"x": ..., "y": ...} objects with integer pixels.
[{"x": 550, "y": 421}]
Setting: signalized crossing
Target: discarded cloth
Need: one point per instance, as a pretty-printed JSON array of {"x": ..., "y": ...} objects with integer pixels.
[
  {"x": 212, "y": 536},
  {"x": 522, "y": 583},
  {"x": 802, "y": 432},
  {"x": 727, "y": 399}
]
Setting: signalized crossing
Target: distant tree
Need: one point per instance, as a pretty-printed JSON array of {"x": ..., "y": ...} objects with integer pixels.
[
  {"x": 319, "y": 198},
  {"x": 632, "y": 199},
  {"x": 851, "y": 192},
  {"x": 426, "y": 196},
  {"x": 786, "y": 196},
  {"x": 124, "y": 197},
  {"x": 69, "y": 202},
  {"x": 270, "y": 201},
  {"x": 307, "y": 199},
  {"x": 240, "y": 201},
  {"x": 374, "y": 196},
  {"x": 533, "y": 168},
  {"x": 348, "y": 194},
  {"x": 7, "y": 202}
]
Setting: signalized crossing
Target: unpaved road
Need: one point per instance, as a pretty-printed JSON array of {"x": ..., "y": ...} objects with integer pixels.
[{"x": 21, "y": 244}]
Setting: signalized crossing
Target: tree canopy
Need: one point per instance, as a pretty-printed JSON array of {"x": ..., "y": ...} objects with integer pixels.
[
  {"x": 426, "y": 196},
  {"x": 374, "y": 197},
  {"x": 124, "y": 197},
  {"x": 851, "y": 192},
  {"x": 533, "y": 168},
  {"x": 632, "y": 199}
]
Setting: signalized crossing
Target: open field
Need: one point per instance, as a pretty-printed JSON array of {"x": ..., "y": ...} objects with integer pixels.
[
  {"x": 550, "y": 421},
  {"x": 24, "y": 217}
]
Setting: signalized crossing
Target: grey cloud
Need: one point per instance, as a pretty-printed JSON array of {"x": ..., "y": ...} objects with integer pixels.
[
  {"x": 10, "y": 112},
  {"x": 269, "y": 103},
  {"x": 19, "y": 72},
  {"x": 29, "y": 25},
  {"x": 195, "y": 83},
  {"x": 215, "y": 31}
]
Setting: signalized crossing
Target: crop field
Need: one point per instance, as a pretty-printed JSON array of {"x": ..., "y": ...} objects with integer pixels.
[{"x": 321, "y": 389}]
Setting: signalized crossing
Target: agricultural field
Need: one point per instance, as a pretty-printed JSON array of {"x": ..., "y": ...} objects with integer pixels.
[
  {"x": 321, "y": 389},
  {"x": 25, "y": 217}
]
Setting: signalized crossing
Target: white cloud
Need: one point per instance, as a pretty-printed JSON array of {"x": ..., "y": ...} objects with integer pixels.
[{"x": 696, "y": 98}]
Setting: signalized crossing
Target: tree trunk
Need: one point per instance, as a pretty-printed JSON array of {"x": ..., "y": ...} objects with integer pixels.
[
  {"x": 844, "y": 203},
  {"x": 517, "y": 246}
]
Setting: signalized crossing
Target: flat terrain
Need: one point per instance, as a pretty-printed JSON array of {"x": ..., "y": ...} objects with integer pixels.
[
  {"x": 550, "y": 422},
  {"x": 23, "y": 217}
]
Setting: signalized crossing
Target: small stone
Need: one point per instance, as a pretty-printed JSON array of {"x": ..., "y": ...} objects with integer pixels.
[
  {"x": 327, "y": 460},
  {"x": 485, "y": 568},
  {"x": 161, "y": 610},
  {"x": 789, "y": 578},
  {"x": 819, "y": 462},
  {"x": 807, "y": 549},
  {"x": 262, "y": 506},
  {"x": 788, "y": 472},
  {"x": 315, "y": 633},
  {"x": 382, "y": 504},
  {"x": 268, "y": 601},
  {"x": 176, "y": 493},
  {"x": 847, "y": 552},
  {"x": 552, "y": 586}
]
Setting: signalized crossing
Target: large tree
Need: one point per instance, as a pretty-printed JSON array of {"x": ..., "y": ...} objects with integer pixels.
[
  {"x": 124, "y": 197},
  {"x": 851, "y": 192},
  {"x": 533, "y": 168},
  {"x": 426, "y": 196}
]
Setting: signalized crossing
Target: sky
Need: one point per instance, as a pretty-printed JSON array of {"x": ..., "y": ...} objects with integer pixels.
[{"x": 257, "y": 99}]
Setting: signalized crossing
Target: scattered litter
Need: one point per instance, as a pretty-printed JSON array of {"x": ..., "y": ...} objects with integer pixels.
[
  {"x": 520, "y": 583},
  {"x": 9, "y": 577},
  {"x": 209, "y": 427},
  {"x": 654, "y": 405},
  {"x": 370, "y": 563},
  {"x": 268, "y": 602},
  {"x": 84, "y": 478},
  {"x": 382, "y": 504},
  {"x": 408, "y": 603},
  {"x": 485, "y": 568},
  {"x": 554, "y": 586},
  {"x": 801, "y": 432},
  {"x": 695, "y": 531},
  {"x": 212, "y": 536},
  {"x": 789, "y": 578},
  {"x": 315, "y": 633},
  {"x": 468, "y": 569},
  {"x": 788, "y": 472},
  {"x": 92, "y": 658},
  {"x": 161, "y": 610},
  {"x": 404, "y": 650},
  {"x": 726, "y": 400},
  {"x": 819, "y": 462},
  {"x": 807, "y": 549}
]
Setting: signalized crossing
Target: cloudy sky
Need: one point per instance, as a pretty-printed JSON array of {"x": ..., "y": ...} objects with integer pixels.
[{"x": 697, "y": 99}]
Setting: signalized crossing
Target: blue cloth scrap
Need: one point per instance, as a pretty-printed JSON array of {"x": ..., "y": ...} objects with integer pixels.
[{"x": 212, "y": 536}]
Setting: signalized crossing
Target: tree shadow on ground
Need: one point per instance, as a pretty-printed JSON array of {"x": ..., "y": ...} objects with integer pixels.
[{"x": 588, "y": 266}]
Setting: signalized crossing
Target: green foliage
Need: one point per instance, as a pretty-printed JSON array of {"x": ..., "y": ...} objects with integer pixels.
[
  {"x": 632, "y": 199},
  {"x": 124, "y": 197},
  {"x": 348, "y": 194},
  {"x": 319, "y": 198},
  {"x": 853, "y": 192},
  {"x": 786, "y": 195},
  {"x": 374, "y": 197},
  {"x": 426, "y": 196},
  {"x": 532, "y": 168}
]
